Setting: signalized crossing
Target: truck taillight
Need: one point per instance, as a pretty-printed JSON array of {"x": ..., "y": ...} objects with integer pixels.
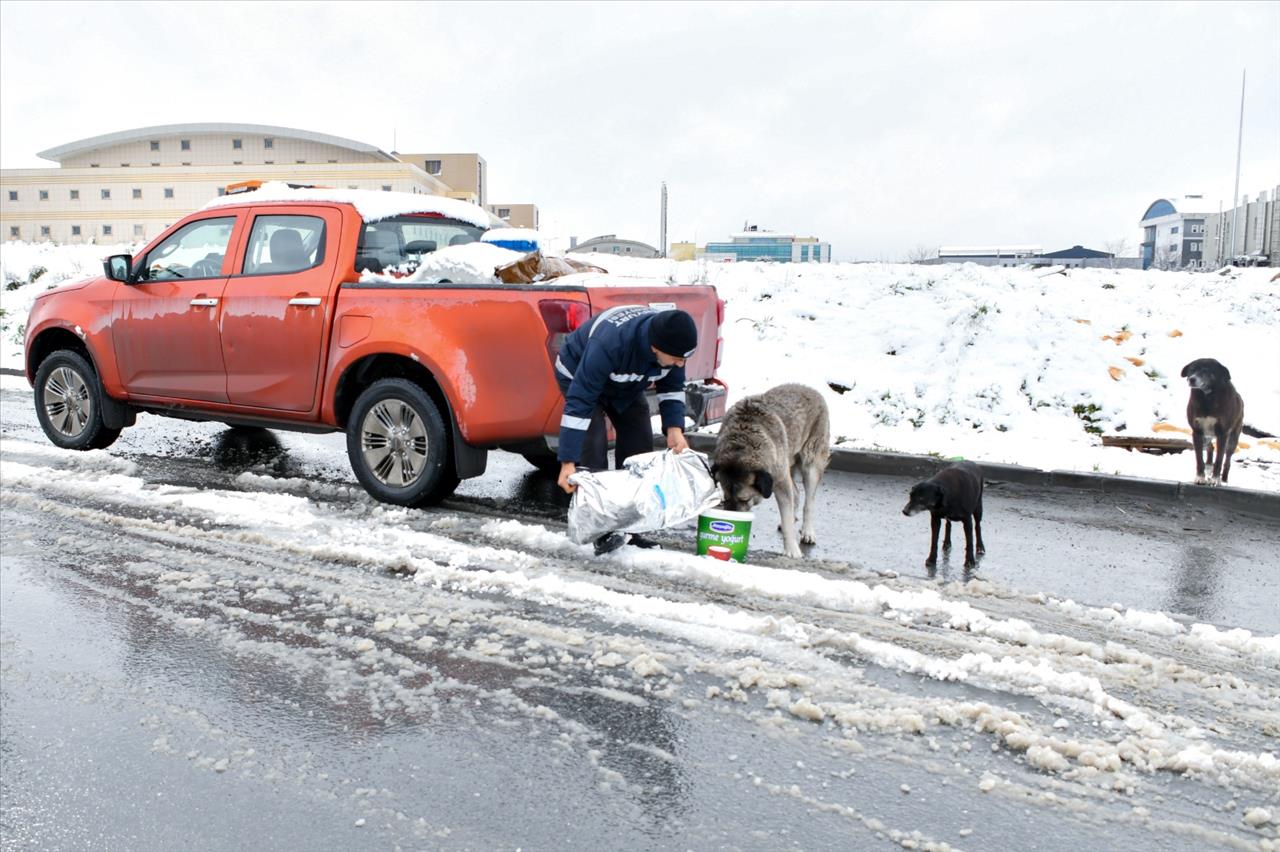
[
  {"x": 719, "y": 331},
  {"x": 561, "y": 316}
]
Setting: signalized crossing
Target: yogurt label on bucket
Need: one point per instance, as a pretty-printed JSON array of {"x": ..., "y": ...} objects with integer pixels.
[{"x": 721, "y": 526}]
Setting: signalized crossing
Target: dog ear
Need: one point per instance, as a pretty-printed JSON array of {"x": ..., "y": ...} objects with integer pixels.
[
  {"x": 1226, "y": 374},
  {"x": 764, "y": 483},
  {"x": 715, "y": 469},
  {"x": 1186, "y": 370}
]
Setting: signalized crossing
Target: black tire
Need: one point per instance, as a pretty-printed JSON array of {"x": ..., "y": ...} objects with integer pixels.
[
  {"x": 68, "y": 400},
  {"x": 545, "y": 462},
  {"x": 398, "y": 444}
]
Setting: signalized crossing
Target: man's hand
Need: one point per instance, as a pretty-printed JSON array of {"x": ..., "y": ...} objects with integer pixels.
[
  {"x": 675, "y": 440},
  {"x": 567, "y": 469}
]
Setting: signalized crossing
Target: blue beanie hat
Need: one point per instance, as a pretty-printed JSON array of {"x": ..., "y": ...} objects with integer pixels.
[{"x": 674, "y": 333}]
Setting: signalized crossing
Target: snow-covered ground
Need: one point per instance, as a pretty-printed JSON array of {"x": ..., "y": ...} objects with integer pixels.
[{"x": 1002, "y": 365}]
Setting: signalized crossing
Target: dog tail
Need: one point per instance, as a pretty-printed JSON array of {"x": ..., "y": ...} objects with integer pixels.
[{"x": 1256, "y": 433}]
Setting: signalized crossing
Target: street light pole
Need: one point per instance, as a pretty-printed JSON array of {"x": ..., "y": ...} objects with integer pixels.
[{"x": 1235, "y": 195}]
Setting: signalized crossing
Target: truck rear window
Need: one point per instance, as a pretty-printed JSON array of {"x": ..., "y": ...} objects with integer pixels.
[{"x": 395, "y": 246}]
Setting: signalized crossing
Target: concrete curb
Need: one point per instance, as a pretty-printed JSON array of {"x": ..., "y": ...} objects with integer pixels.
[
  {"x": 878, "y": 463},
  {"x": 10, "y": 371}
]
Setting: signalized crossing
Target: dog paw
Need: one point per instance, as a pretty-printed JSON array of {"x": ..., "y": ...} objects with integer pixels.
[
  {"x": 794, "y": 552},
  {"x": 1200, "y": 480},
  {"x": 808, "y": 538},
  {"x": 981, "y": 551},
  {"x": 931, "y": 562},
  {"x": 971, "y": 563}
]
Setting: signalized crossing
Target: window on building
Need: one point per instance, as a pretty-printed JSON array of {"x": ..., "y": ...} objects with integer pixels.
[
  {"x": 352, "y": 186},
  {"x": 186, "y": 164},
  {"x": 137, "y": 230},
  {"x": 13, "y": 195},
  {"x": 14, "y": 232},
  {"x": 44, "y": 195},
  {"x": 222, "y": 190},
  {"x": 137, "y": 193},
  {"x": 268, "y": 142},
  {"x": 432, "y": 167},
  {"x": 299, "y": 161},
  {"x": 1174, "y": 230},
  {"x": 168, "y": 192},
  {"x": 44, "y": 230},
  {"x": 386, "y": 187},
  {"x": 93, "y": 165},
  {"x": 237, "y": 144},
  {"x": 628, "y": 249},
  {"x": 155, "y": 145},
  {"x": 504, "y": 212},
  {"x": 155, "y": 164},
  {"x": 333, "y": 161},
  {"x": 268, "y": 162},
  {"x": 185, "y": 145},
  {"x": 237, "y": 162},
  {"x": 124, "y": 165},
  {"x": 106, "y": 230},
  {"x": 75, "y": 195},
  {"x": 106, "y": 195},
  {"x": 75, "y": 230}
]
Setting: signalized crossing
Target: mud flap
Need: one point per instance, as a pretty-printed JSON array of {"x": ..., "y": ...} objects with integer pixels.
[{"x": 116, "y": 414}]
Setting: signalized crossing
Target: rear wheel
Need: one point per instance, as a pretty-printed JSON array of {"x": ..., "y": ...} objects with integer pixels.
[
  {"x": 68, "y": 399},
  {"x": 398, "y": 444}
]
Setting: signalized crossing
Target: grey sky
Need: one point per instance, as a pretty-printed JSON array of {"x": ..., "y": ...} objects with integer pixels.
[{"x": 875, "y": 127}]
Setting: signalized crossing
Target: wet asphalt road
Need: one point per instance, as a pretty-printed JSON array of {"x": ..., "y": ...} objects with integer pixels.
[{"x": 169, "y": 682}]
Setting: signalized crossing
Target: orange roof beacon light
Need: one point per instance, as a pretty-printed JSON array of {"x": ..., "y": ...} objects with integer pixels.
[{"x": 251, "y": 185}]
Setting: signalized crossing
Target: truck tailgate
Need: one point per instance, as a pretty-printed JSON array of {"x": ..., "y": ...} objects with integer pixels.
[{"x": 700, "y": 302}]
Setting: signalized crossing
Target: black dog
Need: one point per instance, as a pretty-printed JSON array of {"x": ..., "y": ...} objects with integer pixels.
[
  {"x": 1215, "y": 412},
  {"x": 955, "y": 494}
]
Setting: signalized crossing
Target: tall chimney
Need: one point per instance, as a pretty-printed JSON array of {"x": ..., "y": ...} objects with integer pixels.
[{"x": 662, "y": 228}]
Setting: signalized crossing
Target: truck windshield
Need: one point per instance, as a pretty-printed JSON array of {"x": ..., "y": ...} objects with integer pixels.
[{"x": 395, "y": 246}]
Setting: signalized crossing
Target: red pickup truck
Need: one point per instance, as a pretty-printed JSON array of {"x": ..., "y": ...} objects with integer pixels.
[{"x": 283, "y": 309}]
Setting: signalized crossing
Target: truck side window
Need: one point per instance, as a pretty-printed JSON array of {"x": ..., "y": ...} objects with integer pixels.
[
  {"x": 280, "y": 244},
  {"x": 194, "y": 251}
]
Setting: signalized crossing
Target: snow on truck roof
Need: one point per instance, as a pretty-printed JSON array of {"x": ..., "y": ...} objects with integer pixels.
[{"x": 370, "y": 204}]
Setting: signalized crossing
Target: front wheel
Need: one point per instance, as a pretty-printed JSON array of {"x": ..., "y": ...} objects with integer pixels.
[
  {"x": 68, "y": 401},
  {"x": 398, "y": 444}
]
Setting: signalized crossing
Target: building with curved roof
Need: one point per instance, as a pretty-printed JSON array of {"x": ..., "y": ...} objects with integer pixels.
[
  {"x": 1173, "y": 233},
  {"x": 611, "y": 244},
  {"x": 130, "y": 185}
]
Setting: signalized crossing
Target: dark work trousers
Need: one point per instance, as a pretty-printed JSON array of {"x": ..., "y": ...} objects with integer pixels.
[{"x": 634, "y": 429}]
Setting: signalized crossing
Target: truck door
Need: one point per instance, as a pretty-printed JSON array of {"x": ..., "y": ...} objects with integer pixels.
[
  {"x": 275, "y": 307},
  {"x": 165, "y": 324}
]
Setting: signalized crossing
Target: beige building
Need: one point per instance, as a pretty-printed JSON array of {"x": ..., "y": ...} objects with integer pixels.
[
  {"x": 516, "y": 215},
  {"x": 130, "y": 186}
]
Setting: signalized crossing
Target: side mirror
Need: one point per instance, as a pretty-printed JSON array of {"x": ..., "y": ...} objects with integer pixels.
[{"x": 118, "y": 267}]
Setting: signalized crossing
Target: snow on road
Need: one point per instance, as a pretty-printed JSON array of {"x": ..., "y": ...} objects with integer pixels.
[{"x": 1110, "y": 714}]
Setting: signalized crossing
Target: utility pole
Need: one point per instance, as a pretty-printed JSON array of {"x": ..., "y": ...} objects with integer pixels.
[
  {"x": 662, "y": 227},
  {"x": 1235, "y": 195}
]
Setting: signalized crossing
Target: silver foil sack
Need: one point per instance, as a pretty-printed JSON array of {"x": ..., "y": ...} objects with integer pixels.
[{"x": 653, "y": 491}]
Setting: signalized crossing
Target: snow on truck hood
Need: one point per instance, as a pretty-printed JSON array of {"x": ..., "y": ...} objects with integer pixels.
[{"x": 373, "y": 206}]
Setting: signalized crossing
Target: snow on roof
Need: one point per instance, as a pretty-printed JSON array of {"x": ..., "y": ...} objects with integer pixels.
[
  {"x": 987, "y": 251},
  {"x": 371, "y": 204},
  {"x": 61, "y": 152}
]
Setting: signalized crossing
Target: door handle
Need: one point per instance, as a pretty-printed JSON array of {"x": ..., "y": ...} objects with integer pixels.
[
  {"x": 305, "y": 301},
  {"x": 204, "y": 303}
]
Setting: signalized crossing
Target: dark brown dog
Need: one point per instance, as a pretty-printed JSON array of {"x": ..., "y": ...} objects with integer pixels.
[
  {"x": 1215, "y": 412},
  {"x": 954, "y": 494}
]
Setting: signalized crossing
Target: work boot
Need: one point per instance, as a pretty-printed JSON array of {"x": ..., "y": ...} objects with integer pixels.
[
  {"x": 640, "y": 541},
  {"x": 609, "y": 542}
]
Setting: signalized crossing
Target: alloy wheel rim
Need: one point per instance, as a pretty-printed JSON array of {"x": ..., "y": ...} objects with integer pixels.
[
  {"x": 66, "y": 402},
  {"x": 393, "y": 442}
]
